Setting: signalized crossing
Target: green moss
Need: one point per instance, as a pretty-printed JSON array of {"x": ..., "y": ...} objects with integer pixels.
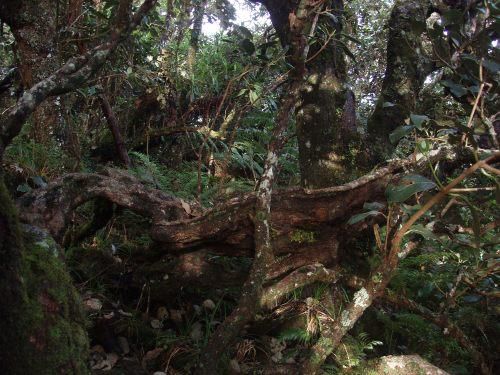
[
  {"x": 302, "y": 236},
  {"x": 53, "y": 313}
]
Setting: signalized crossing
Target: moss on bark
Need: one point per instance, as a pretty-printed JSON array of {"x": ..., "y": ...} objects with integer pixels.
[
  {"x": 43, "y": 325},
  {"x": 406, "y": 70}
]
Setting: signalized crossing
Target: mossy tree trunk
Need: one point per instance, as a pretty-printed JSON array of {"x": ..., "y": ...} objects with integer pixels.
[
  {"x": 406, "y": 70},
  {"x": 41, "y": 322},
  {"x": 324, "y": 141},
  {"x": 41, "y": 318}
]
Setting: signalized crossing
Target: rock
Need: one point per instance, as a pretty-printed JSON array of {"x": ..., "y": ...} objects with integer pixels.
[
  {"x": 124, "y": 346},
  {"x": 234, "y": 367},
  {"x": 196, "y": 331},
  {"x": 406, "y": 364},
  {"x": 162, "y": 313},
  {"x": 156, "y": 324},
  {"x": 209, "y": 304}
]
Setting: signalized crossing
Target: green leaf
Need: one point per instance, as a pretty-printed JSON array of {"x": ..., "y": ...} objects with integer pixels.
[
  {"x": 400, "y": 193},
  {"x": 254, "y": 96},
  {"x": 373, "y": 206},
  {"x": 424, "y": 232},
  {"x": 424, "y": 146},
  {"x": 360, "y": 217},
  {"x": 418, "y": 120},
  {"x": 456, "y": 89},
  {"x": 24, "y": 188},
  {"x": 388, "y": 105},
  {"x": 400, "y": 132},
  {"x": 247, "y": 46},
  {"x": 492, "y": 66}
]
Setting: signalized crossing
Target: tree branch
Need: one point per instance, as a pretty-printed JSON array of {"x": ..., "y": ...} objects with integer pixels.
[{"x": 73, "y": 74}]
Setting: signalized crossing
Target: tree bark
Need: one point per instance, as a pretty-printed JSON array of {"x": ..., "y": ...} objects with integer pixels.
[
  {"x": 406, "y": 70},
  {"x": 34, "y": 26},
  {"x": 194, "y": 40},
  {"x": 324, "y": 141},
  {"x": 114, "y": 128},
  {"x": 41, "y": 320}
]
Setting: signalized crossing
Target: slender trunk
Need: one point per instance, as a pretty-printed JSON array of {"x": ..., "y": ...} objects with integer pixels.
[
  {"x": 194, "y": 41},
  {"x": 114, "y": 128}
]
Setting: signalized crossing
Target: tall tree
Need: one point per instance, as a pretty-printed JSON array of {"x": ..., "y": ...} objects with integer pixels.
[
  {"x": 323, "y": 139},
  {"x": 406, "y": 70}
]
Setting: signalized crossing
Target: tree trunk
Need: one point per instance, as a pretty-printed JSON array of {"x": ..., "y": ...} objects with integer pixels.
[
  {"x": 405, "y": 73},
  {"x": 325, "y": 142},
  {"x": 194, "y": 41},
  {"x": 34, "y": 25},
  {"x": 114, "y": 128},
  {"x": 41, "y": 317}
]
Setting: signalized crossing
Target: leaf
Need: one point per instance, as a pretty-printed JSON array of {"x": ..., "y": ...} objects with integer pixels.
[
  {"x": 254, "y": 96},
  {"x": 186, "y": 206},
  {"x": 24, "y": 188},
  {"x": 492, "y": 66},
  {"x": 359, "y": 217},
  {"x": 472, "y": 298},
  {"x": 388, "y": 105},
  {"x": 91, "y": 90},
  {"x": 39, "y": 181},
  {"x": 424, "y": 146},
  {"x": 424, "y": 232},
  {"x": 333, "y": 17},
  {"x": 400, "y": 132},
  {"x": 400, "y": 193},
  {"x": 456, "y": 89},
  {"x": 418, "y": 120},
  {"x": 247, "y": 46},
  {"x": 373, "y": 206}
]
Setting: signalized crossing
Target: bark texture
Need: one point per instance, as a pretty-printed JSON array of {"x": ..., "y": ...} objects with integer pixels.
[
  {"x": 34, "y": 25},
  {"x": 406, "y": 70},
  {"x": 325, "y": 144},
  {"x": 41, "y": 320}
]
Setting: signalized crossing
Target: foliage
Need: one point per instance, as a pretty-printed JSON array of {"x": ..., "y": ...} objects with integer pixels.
[{"x": 202, "y": 134}]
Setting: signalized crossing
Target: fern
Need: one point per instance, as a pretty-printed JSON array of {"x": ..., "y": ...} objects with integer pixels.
[{"x": 296, "y": 334}]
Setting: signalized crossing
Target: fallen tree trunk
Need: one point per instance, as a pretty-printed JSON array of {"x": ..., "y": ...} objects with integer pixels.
[{"x": 305, "y": 223}]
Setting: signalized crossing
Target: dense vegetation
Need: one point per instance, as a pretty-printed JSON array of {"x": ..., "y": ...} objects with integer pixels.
[{"x": 308, "y": 193}]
